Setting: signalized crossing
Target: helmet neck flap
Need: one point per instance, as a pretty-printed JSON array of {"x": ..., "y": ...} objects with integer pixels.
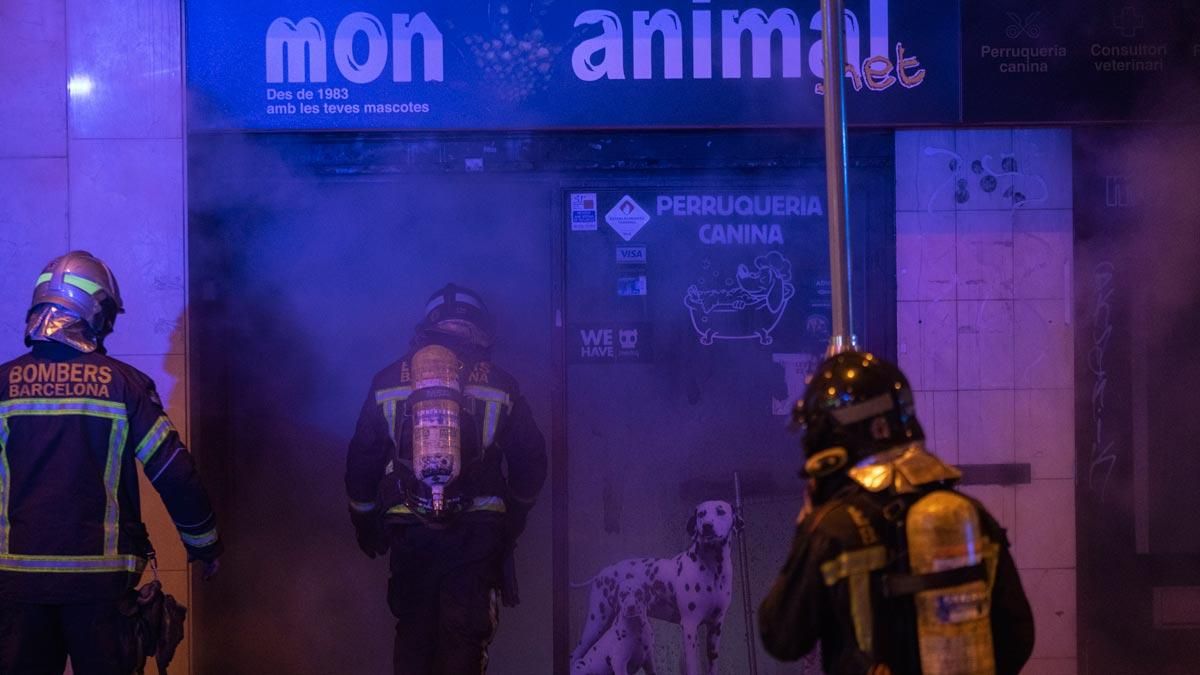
[{"x": 52, "y": 323}]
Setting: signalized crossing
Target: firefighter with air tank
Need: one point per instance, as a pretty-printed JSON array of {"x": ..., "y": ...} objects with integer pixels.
[
  {"x": 443, "y": 469},
  {"x": 891, "y": 570}
]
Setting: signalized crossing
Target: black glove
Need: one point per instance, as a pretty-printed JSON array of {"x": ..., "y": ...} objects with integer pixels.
[
  {"x": 368, "y": 530},
  {"x": 209, "y": 557},
  {"x": 211, "y": 567}
]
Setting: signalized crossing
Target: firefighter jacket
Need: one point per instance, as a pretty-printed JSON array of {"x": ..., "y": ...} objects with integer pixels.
[
  {"x": 73, "y": 427},
  {"x": 833, "y": 590},
  {"x": 503, "y": 451}
]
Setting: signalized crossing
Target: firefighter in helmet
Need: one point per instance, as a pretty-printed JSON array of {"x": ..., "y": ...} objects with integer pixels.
[
  {"x": 74, "y": 425},
  {"x": 891, "y": 569},
  {"x": 444, "y": 466}
]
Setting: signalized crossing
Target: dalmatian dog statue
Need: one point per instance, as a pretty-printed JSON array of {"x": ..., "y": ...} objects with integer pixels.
[
  {"x": 626, "y": 647},
  {"x": 692, "y": 589}
]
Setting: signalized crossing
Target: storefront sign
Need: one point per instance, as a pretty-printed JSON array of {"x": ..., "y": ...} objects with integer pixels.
[
  {"x": 416, "y": 64},
  {"x": 1039, "y": 61}
]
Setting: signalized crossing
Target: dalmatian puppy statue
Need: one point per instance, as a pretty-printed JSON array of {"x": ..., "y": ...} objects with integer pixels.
[
  {"x": 626, "y": 647},
  {"x": 692, "y": 589}
]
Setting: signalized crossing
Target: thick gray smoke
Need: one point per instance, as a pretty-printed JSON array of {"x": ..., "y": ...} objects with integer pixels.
[
  {"x": 1165, "y": 164},
  {"x": 312, "y": 257},
  {"x": 1137, "y": 214},
  {"x": 305, "y": 284}
]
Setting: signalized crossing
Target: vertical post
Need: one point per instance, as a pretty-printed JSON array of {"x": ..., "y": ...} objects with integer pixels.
[
  {"x": 559, "y": 476},
  {"x": 744, "y": 576},
  {"x": 833, "y": 37}
]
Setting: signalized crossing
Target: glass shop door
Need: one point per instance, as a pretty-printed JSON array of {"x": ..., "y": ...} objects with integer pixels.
[{"x": 693, "y": 311}]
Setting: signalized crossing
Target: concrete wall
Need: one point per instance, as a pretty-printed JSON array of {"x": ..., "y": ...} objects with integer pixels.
[
  {"x": 91, "y": 157},
  {"x": 984, "y": 232}
]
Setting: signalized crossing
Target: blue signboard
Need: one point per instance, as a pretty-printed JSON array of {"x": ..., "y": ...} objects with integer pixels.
[{"x": 420, "y": 64}]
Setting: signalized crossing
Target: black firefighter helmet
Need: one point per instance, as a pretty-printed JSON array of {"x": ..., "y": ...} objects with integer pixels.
[
  {"x": 856, "y": 405},
  {"x": 457, "y": 315}
]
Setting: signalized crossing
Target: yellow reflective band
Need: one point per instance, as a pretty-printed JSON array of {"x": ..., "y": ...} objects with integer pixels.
[
  {"x": 200, "y": 540},
  {"x": 390, "y": 400},
  {"x": 158, "y": 433},
  {"x": 491, "y": 417},
  {"x": 488, "y": 394},
  {"x": 856, "y": 567},
  {"x": 112, "y": 481},
  {"x": 4, "y": 485},
  {"x": 91, "y": 407},
  {"x": 87, "y": 407},
  {"x": 389, "y": 414},
  {"x": 489, "y": 504},
  {"x": 393, "y": 394},
  {"x": 493, "y": 399},
  {"x": 72, "y": 564},
  {"x": 86, "y": 285}
]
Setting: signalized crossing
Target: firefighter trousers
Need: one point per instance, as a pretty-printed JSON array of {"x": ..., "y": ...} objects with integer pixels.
[
  {"x": 443, "y": 594},
  {"x": 36, "y": 639}
]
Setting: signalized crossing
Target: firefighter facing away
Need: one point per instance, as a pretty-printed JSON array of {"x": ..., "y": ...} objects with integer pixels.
[
  {"x": 444, "y": 466},
  {"x": 891, "y": 569},
  {"x": 74, "y": 424}
]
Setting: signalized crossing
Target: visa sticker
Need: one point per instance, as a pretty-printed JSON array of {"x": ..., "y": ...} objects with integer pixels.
[{"x": 631, "y": 254}]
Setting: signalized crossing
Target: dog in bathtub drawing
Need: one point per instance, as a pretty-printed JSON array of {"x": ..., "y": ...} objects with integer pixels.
[{"x": 751, "y": 308}]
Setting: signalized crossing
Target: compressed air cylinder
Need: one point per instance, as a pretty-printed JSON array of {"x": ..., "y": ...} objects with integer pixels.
[
  {"x": 437, "y": 435},
  {"x": 953, "y": 625}
]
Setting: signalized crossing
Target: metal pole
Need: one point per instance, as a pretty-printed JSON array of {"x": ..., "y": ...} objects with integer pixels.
[
  {"x": 832, "y": 23},
  {"x": 744, "y": 575}
]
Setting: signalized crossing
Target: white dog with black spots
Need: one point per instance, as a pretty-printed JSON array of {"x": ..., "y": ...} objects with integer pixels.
[
  {"x": 626, "y": 647},
  {"x": 692, "y": 589}
]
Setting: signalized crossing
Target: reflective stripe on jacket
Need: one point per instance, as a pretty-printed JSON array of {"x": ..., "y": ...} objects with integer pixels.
[{"x": 73, "y": 427}]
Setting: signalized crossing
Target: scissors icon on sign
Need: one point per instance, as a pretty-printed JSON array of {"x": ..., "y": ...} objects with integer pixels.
[{"x": 1023, "y": 26}]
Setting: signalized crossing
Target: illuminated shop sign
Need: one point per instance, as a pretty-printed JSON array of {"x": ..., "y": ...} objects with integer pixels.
[{"x": 562, "y": 63}]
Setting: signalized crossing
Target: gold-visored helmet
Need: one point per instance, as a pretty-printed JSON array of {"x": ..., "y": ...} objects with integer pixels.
[{"x": 76, "y": 288}]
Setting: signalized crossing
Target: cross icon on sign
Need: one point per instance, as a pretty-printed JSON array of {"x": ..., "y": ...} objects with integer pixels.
[{"x": 1129, "y": 22}]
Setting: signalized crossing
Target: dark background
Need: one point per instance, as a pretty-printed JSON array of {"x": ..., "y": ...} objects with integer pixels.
[{"x": 1136, "y": 362}]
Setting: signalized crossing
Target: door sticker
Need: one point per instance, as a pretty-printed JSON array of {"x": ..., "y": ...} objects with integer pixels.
[{"x": 749, "y": 307}]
